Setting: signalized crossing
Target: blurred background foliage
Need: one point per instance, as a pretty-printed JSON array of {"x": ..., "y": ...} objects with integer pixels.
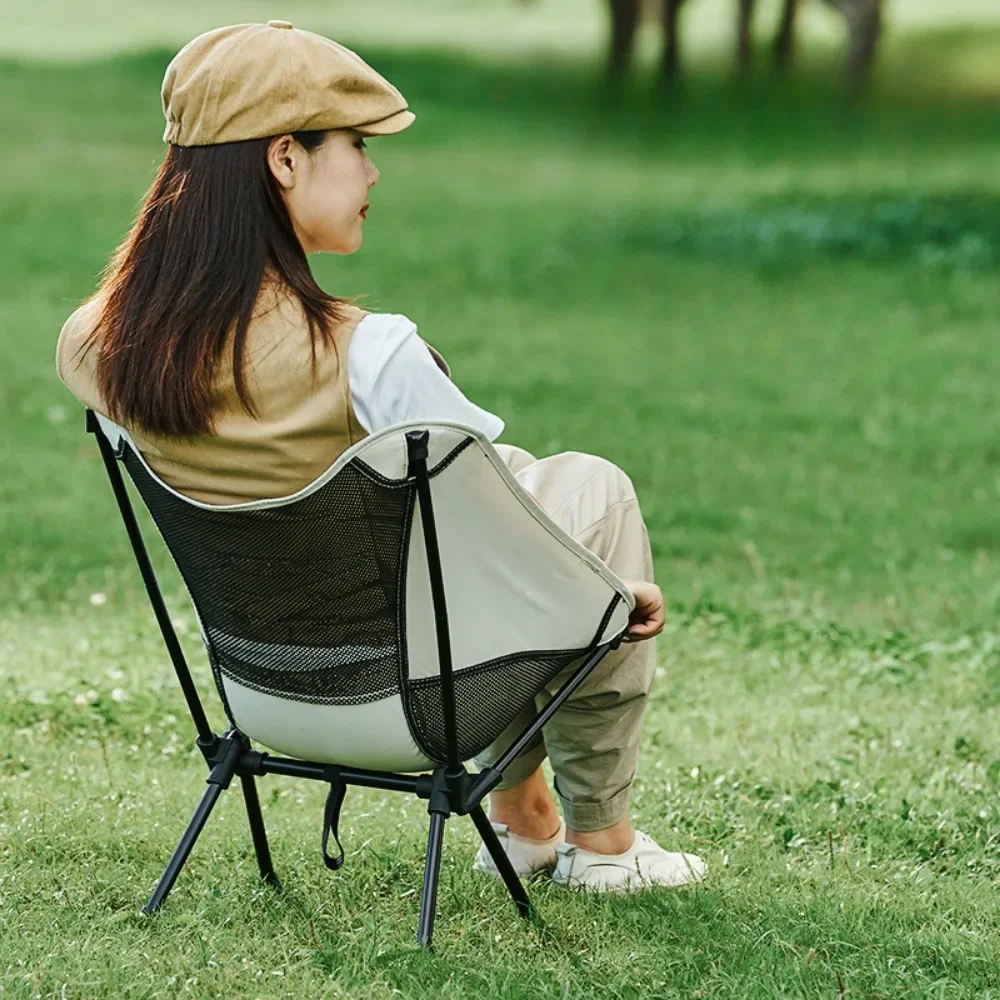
[{"x": 775, "y": 307}]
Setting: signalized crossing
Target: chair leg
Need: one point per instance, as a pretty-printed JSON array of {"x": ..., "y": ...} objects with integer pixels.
[
  {"x": 500, "y": 859},
  {"x": 180, "y": 855},
  {"x": 257, "y": 830},
  {"x": 432, "y": 873}
]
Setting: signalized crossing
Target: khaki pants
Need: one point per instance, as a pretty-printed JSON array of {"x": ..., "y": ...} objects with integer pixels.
[{"x": 592, "y": 741}]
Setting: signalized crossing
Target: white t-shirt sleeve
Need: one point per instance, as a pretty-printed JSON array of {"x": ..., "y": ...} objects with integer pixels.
[{"x": 394, "y": 379}]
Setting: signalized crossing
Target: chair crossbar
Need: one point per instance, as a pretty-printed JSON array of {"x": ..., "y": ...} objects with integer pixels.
[{"x": 314, "y": 770}]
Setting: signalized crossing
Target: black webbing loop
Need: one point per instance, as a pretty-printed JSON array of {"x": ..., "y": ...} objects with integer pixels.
[{"x": 331, "y": 818}]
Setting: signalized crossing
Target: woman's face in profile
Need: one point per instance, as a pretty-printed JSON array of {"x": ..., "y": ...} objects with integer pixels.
[{"x": 325, "y": 191}]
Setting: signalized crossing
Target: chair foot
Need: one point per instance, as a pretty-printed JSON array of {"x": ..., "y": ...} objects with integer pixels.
[
  {"x": 183, "y": 849},
  {"x": 432, "y": 874},
  {"x": 257, "y": 831},
  {"x": 500, "y": 859}
]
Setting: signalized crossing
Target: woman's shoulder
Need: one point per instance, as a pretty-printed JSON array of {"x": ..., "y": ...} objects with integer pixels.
[
  {"x": 280, "y": 332},
  {"x": 380, "y": 324},
  {"x": 379, "y": 337},
  {"x": 395, "y": 330},
  {"x": 75, "y": 335}
]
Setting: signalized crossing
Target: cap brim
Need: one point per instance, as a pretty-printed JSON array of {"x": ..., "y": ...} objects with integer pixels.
[{"x": 387, "y": 126}]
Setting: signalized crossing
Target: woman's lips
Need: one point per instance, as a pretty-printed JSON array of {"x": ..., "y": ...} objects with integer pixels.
[{"x": 364, "y": 211}]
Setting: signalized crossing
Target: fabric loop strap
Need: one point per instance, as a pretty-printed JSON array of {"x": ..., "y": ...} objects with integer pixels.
[{"x": 331, "y": 819}]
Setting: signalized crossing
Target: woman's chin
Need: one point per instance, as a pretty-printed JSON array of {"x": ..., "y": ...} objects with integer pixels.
[{"x": 343, "y": 249}]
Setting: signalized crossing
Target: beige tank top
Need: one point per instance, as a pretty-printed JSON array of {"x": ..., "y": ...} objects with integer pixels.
[{"x": 305, "y": 418}]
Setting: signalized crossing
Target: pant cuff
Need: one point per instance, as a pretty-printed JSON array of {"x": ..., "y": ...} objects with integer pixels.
[{"x": 586, "y": 817}]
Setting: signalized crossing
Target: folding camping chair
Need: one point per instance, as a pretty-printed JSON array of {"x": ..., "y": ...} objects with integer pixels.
[{"x": 365, "y": 643}]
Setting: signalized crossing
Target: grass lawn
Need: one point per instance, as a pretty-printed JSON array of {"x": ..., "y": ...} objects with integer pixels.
[{"x": 781, "y": 318}]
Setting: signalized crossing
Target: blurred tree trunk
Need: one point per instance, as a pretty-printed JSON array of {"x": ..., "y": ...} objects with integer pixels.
[
  {"x": 863, "y": 18},
  {"x": 864, "y": 28},
  {"x": 784, "y": 40},
  {"x": 624, "y": 21},
  {"x": 671, "y": 40}
]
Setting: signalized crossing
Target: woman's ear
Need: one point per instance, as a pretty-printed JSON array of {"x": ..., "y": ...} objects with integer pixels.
[{"x": 283, "y": 160}]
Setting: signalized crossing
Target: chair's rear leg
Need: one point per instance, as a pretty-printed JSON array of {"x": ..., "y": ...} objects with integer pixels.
[
  {"x": 180, "y": 855},
  {"x": 257, "y": 830},
  {"x": 500, "y": 859},
  {"x": 432, "y": 873}
]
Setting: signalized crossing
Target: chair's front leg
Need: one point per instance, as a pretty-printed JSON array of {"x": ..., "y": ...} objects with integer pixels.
[
  {"x": 257, "y": 831},
  {"x": 500, "y": 859},
  {"x": 432, "y": 873},
  {"x": 225, "y": 761},
  {"x": 180, "y": 855}
]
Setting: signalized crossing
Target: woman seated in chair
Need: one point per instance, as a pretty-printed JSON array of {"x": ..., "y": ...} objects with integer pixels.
[{"x": 240, "y": 379}]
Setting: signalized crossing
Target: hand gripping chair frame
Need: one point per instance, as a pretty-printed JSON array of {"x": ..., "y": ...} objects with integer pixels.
[{"x": 449, "y": 789}]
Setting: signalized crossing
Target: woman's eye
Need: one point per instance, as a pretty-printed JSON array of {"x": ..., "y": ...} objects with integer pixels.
[{"x": 361, "y": 144}]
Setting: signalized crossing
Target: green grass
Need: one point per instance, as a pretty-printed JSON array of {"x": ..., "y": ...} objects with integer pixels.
[{"x": 780, "y": 317}]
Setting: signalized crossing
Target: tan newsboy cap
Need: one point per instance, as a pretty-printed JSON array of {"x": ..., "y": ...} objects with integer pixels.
[{"x": 249, "y": 81}]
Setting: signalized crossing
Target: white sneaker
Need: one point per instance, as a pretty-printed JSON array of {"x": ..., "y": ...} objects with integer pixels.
[
  {"x": 526, "y": 855},
  {"x": 643, "y": 865}
]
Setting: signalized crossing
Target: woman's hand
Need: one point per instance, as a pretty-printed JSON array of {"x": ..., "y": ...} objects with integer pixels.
[{"x": 647, "y": 618}]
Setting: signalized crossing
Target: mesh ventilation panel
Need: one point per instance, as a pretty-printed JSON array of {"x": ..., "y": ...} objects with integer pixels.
[
  {"x": 303, "y": 600},
  {"x": 488, "y": 698}
]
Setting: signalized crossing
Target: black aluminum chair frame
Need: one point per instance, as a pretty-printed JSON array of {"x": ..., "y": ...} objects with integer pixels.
[{"x": 449, "y": 789}]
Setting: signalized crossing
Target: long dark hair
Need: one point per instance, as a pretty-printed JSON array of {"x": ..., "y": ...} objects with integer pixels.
[{"x": 212, "y": 228}]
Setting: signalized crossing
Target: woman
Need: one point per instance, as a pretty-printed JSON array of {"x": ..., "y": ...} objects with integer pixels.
[{"x": 240, "y": 379}]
